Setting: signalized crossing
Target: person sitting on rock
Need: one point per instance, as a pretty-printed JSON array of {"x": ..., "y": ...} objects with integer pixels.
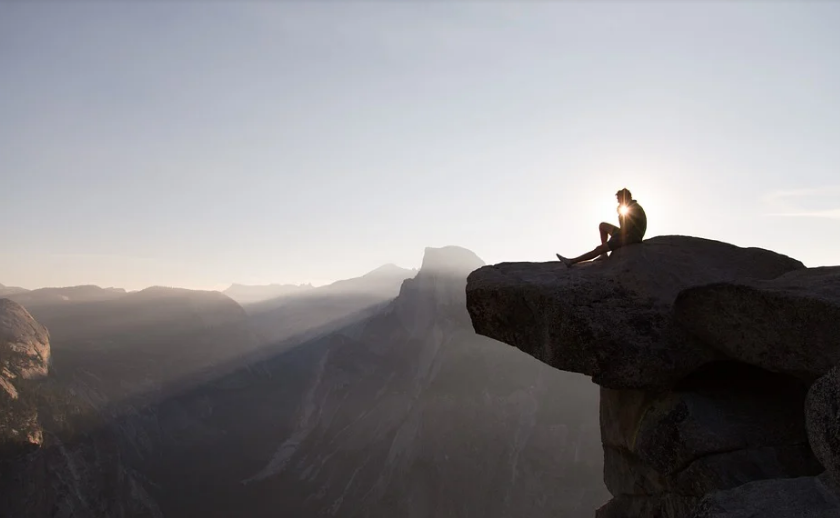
[{"x": 633, "y": 224}]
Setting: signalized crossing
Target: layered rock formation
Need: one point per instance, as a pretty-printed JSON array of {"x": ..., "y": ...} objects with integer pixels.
[{"x": 705, "y": 353}]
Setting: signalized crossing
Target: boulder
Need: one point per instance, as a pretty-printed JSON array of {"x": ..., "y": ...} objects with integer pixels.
[
  {"x": 711, "y": 434},
  {"x": 612, "y": 319},
  {"x": 822, "y": 417},
  {"x": 803, "y": 497},
  {"x": 790, "y": 324},
  {"x": 680, "y": 427}
]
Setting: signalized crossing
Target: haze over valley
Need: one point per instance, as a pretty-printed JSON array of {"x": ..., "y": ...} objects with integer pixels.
[{"x": 383, "y": 402}]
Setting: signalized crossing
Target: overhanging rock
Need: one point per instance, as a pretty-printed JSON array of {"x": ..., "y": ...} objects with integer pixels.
[
  {"x": 613, "y": 319},
  {"x": 790, "y": 324}
]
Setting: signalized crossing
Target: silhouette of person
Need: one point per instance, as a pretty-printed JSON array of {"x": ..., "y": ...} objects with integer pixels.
[{"x": 632, "y": 226}]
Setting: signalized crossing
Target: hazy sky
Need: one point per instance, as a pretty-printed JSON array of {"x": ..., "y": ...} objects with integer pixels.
[{"x": 202, "y": 143}]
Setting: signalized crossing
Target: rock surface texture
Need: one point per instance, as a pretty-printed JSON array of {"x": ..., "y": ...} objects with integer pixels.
[
  {"x": 705, "y": 353},
  {"x": 24, "y": 356},
  {"x": 822, "y": 413},
  {"x": 790, "y": 324}
]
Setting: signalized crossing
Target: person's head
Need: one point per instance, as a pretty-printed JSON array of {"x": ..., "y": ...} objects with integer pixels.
[{"x": 623, "y": 196}]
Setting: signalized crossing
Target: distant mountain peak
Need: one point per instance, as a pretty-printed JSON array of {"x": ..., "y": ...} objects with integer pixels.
[
  {"x": 389, "y": 269},
  {"x": 450, "y": 259}
]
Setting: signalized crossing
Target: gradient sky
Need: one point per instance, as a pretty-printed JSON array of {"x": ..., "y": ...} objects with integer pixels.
[{"x": 201, "y": 143}]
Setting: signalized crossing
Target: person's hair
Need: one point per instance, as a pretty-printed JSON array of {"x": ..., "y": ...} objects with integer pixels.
[{"x": 625, "y": 194}]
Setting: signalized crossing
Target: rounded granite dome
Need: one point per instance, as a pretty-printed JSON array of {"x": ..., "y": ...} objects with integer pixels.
[
  {"x": 450, "y": 260},
  {"x": 17, "y": 325},
  {"x": 24, "y": 343}
]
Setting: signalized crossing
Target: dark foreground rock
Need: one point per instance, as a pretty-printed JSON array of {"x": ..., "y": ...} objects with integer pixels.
[
  {"x": 705, "y": 352},
  {"x": 804, "y": 497},
  {"x": 705, "y": 436},
  {"x": 822, "y": 412}
]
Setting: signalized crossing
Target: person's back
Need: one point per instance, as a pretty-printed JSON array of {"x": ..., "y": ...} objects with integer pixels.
[{"x": 634, "y": 222}]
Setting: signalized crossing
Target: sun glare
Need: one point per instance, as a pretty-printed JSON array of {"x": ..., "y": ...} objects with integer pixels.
[{"x": 623, "y": 210}]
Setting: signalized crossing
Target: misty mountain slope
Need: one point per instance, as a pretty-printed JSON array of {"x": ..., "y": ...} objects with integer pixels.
[
  {"x": 6, "y": 291},
  {"x": 119, "y": 345},
  {"x": 293, "y": 318},
  {"x": 106, "y": 314},
  {"x": 70, "y": 294},
  {"x": 417, "y": 416},
  {"x": 251, "y": 294},
  {"x": 408, "y": 413}
]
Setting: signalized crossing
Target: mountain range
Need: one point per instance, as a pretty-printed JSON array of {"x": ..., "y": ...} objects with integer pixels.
[
  {"x": 5, "y": 291},
  {"x": 371, "y": 397}
]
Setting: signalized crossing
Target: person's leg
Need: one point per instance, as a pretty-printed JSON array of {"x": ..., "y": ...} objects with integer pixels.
[
  {"x": 609, "y": 234},
  {"x": 606, "y": 230},
  {"x": 599, "y": 250}
]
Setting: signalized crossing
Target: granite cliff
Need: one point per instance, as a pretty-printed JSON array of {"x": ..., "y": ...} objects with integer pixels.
[
  {"x": 24, "y": 356},
  {"x": 719, "y": 391},
  {"x": 47, "y": 468},
  {"x": 406, "y": 412}
]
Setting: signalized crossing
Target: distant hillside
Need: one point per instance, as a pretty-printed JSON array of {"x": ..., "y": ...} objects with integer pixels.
[
  {"x": 316, "y": 311},
  {"x": 5, "y": 291},
  {"x": 140, "y": 342},
  {"x": 251, "y": 294},
  {"x": 71, "y": 294}
]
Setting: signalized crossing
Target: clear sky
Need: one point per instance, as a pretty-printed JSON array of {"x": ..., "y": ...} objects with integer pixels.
[{"x": 201, "y": 143}]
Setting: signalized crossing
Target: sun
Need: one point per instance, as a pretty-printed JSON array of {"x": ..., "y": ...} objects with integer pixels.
[{"x": 623, "y": 210}]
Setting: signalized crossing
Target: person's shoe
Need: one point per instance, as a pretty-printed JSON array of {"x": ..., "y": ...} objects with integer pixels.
[{"x": 565, "y": 261}]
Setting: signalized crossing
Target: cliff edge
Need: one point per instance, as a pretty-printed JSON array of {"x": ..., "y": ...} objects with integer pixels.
[{"x": 718, "y": 396}]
